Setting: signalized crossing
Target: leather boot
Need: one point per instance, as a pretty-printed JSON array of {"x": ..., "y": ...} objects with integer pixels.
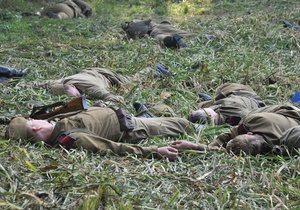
[
  {"x": 141, "y": 110},
  {"x": 287, "y": 24},
  {"x": 179, "y": 42},
  {"x": 51, "y": 14},
  {"x": 204, "y": 97},
  {"x": 160, "y": 71}
]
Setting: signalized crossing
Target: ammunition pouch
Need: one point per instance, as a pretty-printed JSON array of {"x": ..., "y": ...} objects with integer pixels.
[{"x": 125, "y": 120}]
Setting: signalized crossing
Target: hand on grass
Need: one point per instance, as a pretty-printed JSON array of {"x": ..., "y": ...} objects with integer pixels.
[
  {"x": 183, "y": 144},
  {"x": 168, "y": 152}
]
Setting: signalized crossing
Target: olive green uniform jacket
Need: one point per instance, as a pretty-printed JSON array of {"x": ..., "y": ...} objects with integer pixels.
[
  {"x": 289, "y": 142},
  {"x": 69, "y": 9},
  {"x": 233, "y": 102},
  {"x": 95, "y": 83},
  {"x": 98, "y": 130},
  {"x": 270, "y": 122}
]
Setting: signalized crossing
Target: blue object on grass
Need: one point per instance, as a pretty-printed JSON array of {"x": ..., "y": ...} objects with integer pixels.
[{"x": 295, "y": 98}]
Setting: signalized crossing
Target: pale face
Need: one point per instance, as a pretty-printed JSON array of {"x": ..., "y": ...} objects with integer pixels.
[
  {"x": 197, "y": 115},
  {"x": 41, "y": 129},
  {"x": 71, "y": 90}
]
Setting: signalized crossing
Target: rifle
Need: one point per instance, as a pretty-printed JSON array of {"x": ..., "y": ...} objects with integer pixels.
[{"x": 47, "y": 111}]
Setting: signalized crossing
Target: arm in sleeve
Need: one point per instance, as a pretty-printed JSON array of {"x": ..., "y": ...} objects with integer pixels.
[
  {"x": 44, "y": 84},
  {"x": 96, "y": 143},
  {"x": 290, "y": 141},
  {"x": 103, "y": 94},
  {"x": 223, "y": 139}
]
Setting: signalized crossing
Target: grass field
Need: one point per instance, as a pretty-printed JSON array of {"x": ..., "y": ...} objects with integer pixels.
[{"x": 251, "y": 47}]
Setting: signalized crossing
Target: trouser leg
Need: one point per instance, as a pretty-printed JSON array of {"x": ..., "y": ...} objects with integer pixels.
[
  {"x": 159, "y": 127},
  {"x": 5, "y": 71},
  {"x": 61, "y": 11}
]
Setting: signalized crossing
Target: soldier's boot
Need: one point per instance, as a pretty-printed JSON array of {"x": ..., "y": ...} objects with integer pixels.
[
  {"x": 11, "y": 72},
  {"x": 174, "y": 41},
  {"x": 169, "y": 42},
  {"x": 287, "y": 24},
  {"x": 179, "y": 42},
  {"x": 19, "y": 73},
  {"x": 160, "y": 71},
  {"x": 51, "y": 14},
  {"x": 204, "y": 96},
  {"x": 142, "y": 110}
]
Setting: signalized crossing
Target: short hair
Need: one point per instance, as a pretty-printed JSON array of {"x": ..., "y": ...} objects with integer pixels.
[
  {"x": 200, "y": 117},
  {"x": 246, "y": 144}
]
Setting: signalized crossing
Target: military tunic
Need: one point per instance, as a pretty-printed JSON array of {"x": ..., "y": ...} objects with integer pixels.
[
  {"x": 233, "y": 102},
  {"x": 98, "y": 130},
  {"x": 94, "y": 82},
  {"x": 69, "y": 9},
  {"x": 270, "y": 122},
  {"x": 290, "y": 141}
]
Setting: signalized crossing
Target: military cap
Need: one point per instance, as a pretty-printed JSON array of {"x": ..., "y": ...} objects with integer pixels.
[
  {"x": 18, "y": 129},
  {"x": 58, "y": 89}
]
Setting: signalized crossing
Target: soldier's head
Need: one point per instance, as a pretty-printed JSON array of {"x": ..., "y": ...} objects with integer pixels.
[
  {"x": 31, "y": 130},
  {"x": 247, "y": 144},
  {"x": 205, "y": 115}
]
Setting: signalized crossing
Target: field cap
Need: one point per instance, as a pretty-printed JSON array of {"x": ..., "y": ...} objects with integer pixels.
[
  {"x": 58, "y": 89},
  {"x": 17, "y": 129}
]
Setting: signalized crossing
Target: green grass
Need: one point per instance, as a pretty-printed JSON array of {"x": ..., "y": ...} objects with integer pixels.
[{"x": 251, "y": 45}]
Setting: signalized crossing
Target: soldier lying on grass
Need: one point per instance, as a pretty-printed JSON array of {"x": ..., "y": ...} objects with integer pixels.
[
  {"x": 167, "y": 35},
  {"x": 95, "y": 83},
  {"x": 271, "y": 129},
  {"x": 232, "y": 102},
  {"x": 64, "y": 10},
  {"x": 99, "y": 129}
]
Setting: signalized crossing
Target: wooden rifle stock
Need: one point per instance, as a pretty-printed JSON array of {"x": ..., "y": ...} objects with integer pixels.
[{"x": 43, "y": 112}]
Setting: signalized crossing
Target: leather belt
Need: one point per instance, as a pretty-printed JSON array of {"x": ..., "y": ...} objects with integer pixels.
[{"x": 242, "y": 129}]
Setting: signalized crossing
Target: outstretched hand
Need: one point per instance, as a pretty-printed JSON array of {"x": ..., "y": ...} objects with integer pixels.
[
  {"x": 168, "y": 152},
  {"x": 183, "y": 144}
]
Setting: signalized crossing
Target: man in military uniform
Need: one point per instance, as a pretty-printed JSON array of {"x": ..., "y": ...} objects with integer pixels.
[
  {"x": 101, "y": 130},
  {"x": 68, "y": 9},
  {"x": 95, "y": 83},
  {"x": 166, "y": 34},
  {"x": 232, "y": 102},
  {"x": 265, "y": 130},
  {"x": 7, "y": 72}
]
